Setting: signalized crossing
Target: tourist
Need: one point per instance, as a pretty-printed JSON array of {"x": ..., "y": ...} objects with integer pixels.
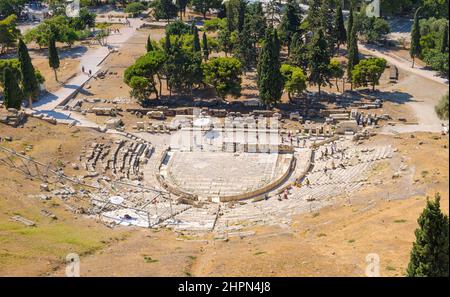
[
  {"x": 90, "y": 72},
  {"x": 307, "y": 182},
  {"x": 286, "y": 194},
  {"x": 82, "y": 69},
  {"x": 279, "y": 197}
]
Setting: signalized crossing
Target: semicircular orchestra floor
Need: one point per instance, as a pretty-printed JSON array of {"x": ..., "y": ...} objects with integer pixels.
[{"x": 218, "y": 174}]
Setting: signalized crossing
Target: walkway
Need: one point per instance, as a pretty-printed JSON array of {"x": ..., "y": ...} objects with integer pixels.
[{"x": 91, "y": 60}]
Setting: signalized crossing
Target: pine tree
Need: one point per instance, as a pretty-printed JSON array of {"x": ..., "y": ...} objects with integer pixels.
[
  {"x": 415, "y": 49},
  {"x": 270, "y": 81},
  {"x": 205, "y": 47},
  {"x": 429, "y": 255},
  {"x": 11, "y": 91},
  {"x": 290, "y": 22},
  {"x": 196, "y": 45},
  {"x": 339, "y": 27},
  {"x": 444, "y": 41},
  {"x": 353, "y": 53},
  {"x": 149, "y": 45},
  {"x": 29, "y": 82},
  {"x": 319, "y": 59},
  {"x": 53, "y": 57}
]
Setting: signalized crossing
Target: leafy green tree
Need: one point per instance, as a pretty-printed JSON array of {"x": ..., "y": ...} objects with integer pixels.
[
  {"x": 224, "y": 75},
  {"x": 205, "y": 6},
  {"x": 29, "y": 81},
  {"x": 53, "y": 56},
  {"x": 336, "y": 71},
  {"x": 57, "y": 27},
  {"x": 368, "y": 71},
  {"x": 415, "y": 49},
  {"x": 294, "y": 79},
  {"x": 11, "y": 7},
  {"x": 178, "y": 27},
  {"x": 437, "y": 61},
  {"x": 298, "y": 54},
  {"x": 140, "y": 76},
  {"x": 270, "y": 81},
  {"x": 182, "y": 4},
  {"x": 290, "y": 22},
  {"x": 11, "y": 91},
  {"x": 165, "y": 9},
  {"x": 319, "y": 60},
  {"x": 134, "y": 8},
  {"x": 429, "y": 254},
  {"x": 8, "y": 32},
  {"x": 182, "y": 67},
  {"x": 205, "y": 48},
  {"x": 339, "y": 27}
]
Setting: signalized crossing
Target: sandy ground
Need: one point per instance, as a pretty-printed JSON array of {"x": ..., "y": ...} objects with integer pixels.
[{"x": 331, "y": 242}]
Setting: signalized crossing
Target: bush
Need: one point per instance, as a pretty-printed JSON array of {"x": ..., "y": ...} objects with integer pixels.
[
  {"x": 135, "y": 8},
  {"x": 214, "y": 24},
  {"x": 442, "y": 108},
  {"x": 178, "y": 28},
  {"x": 436, "y": 60}
]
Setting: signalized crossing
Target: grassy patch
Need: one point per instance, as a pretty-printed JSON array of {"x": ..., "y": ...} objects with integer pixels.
[
  {"x": 316, "y": 214},
  {"x": 351, "y": 241},
  {"x": 192, "y": 257},
  {"x": 321, "y": 235},
  {"x": 259, "y": 253}
]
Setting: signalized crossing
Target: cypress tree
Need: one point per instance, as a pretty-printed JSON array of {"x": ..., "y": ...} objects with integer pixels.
[
  {"x": 353, "y": 53},
  {"x": 290, "y": 22},
  {"x": 246, "y": 51},
  {"x": 270, "y": 81},
  {"x": 298, "y": 53},
  {"x": 444, "y": 41},
  {"x": 53, "y": 57},
  {"x": 241, "y": 16},
  {"x": 196, "y": 46},
  {"x": 11, "y": 91},
  {"x": 429, "y": 255},
  {"x": 319, "y": 60},
  {"x": 149, "y": 44},
  {"x": 29, "y": 81},
  {"x": 167, "y": 45},
  {"x": 415, "y": 49},
  {"x": 350, "y": 24},
  {"x": 339, "y": 27},
  {"x": 326, "y": 23},
  {"x": 205, "y": 47},
  {"x": 313, "y": 16}
]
